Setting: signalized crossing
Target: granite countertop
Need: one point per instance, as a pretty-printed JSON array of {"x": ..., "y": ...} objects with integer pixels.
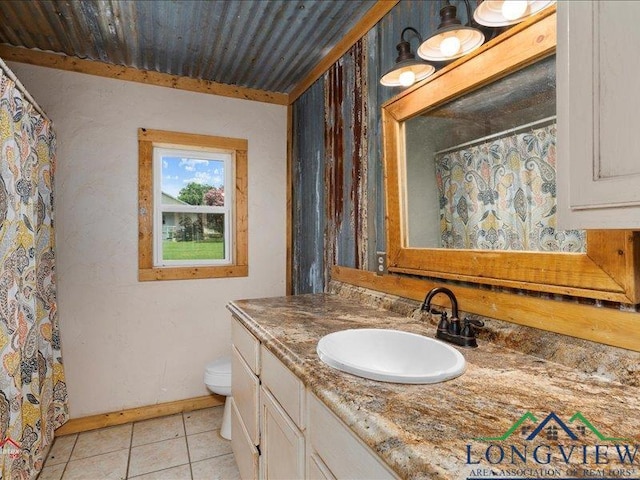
[{"x": 428, "y": 431}]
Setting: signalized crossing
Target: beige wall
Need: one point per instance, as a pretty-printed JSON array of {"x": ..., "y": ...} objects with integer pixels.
[{"x": 125, "y": 343}]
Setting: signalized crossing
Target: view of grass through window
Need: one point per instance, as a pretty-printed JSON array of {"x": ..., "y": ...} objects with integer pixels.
[
  {"x": 193, "y": 236},
  {"x": 210, "y": 249}
]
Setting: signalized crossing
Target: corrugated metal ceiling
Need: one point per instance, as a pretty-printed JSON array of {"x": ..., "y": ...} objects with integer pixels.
[{"x": 263, "y": 44}]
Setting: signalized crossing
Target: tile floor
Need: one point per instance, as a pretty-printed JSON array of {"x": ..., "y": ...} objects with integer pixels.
[{"x": 186, "y": 446}]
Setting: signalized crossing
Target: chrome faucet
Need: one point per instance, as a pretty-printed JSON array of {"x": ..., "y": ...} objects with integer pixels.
[{"x": 450, "y": 330}]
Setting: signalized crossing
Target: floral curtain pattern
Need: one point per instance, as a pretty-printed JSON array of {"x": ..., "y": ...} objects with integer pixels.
[
  {"x": 33, "y": 394},
  {"x": 501, "y": 195}
]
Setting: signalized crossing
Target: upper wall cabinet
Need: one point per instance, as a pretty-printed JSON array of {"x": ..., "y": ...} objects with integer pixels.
[{"x": 598, "y": 140}]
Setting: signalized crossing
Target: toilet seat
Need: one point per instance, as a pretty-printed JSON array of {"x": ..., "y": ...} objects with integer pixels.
[{"x": 217, "y": 375}]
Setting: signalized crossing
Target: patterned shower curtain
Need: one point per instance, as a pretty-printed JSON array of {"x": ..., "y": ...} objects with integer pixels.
[{"x": 33, "y": 394}]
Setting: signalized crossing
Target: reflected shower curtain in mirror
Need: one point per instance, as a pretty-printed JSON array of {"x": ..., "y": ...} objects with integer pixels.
[
  {"x": 33, "y": 394},
  {"x": 501, "y": 195}
]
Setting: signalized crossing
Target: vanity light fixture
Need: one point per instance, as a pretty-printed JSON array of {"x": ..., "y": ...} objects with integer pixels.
[
  {"x": 407, "y": 69},
  {"x": 501, "y": 13},
  {"x": 452, "y": 39}
]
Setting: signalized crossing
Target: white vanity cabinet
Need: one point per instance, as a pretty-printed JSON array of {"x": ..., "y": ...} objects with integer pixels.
[
  {"x": 267, "y": 412},
  {"x": 280, "y": 430},
  {"x": 598, "y": 147}
]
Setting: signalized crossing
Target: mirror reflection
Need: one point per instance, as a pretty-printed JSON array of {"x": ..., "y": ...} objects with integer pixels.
[{"x": 480, "y": 170}]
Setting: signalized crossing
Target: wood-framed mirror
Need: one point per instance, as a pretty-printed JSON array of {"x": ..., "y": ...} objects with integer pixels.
[{"x": 603, "y": 269}]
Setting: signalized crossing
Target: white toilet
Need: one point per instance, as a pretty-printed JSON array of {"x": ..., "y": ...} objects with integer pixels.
[{"x": 217, "y": 378}]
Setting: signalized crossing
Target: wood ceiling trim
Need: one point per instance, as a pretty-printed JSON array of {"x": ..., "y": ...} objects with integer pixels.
[
  {"x": 360, "y": 29},
  {"x": 101, "y": 69}
]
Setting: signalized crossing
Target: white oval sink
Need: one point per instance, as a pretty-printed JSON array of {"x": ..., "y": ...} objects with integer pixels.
[{"x": 391, "y": 356}]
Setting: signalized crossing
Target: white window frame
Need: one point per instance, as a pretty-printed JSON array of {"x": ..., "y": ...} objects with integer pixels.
[{"x": 228, "y": 159}]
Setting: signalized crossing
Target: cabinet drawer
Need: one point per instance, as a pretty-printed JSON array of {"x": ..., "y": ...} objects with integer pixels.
[
  {"x": 245, "y": 389},
  {"x": 245, "y": 453},
  {"x": 247, "y": 345},
  {"x": 344, "y": 454},
  {"x": 284, "y": 386}
]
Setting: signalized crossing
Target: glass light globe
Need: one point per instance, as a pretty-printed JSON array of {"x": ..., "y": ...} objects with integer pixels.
[
  {"x": 514, "y": 9},
  {"x": 407, "y": 78},
  {"x": 450, "y": 46}
]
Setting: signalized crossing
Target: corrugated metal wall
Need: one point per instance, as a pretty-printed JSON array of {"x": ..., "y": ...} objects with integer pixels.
[
  {"x": 338, "y": 179},
  {"x": 345, "y": 137}
]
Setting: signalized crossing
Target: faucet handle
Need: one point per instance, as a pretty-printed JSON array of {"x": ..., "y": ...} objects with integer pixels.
[
  {"x": 469, "y": 323},
  {"x": 473, "y": 321},
  {"x": 443, "y": 325}
]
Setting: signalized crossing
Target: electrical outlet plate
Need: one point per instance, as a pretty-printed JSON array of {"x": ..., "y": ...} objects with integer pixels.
[{"x": 381, "y": 263}]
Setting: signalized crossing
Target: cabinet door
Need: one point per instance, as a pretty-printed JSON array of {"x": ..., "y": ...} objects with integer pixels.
[
  {"x": 282, "y": 444},
  {"x": 316, "y": 469},
  {"x": 598, "y": 154}
]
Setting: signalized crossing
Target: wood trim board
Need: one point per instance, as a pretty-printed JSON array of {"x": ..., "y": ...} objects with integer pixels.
[
  {"x": 597, "y": 324},
  {"x": 93, "y": 422},
  {"x": 289, "y": 206},
  {"x": 120, "y": 72}
]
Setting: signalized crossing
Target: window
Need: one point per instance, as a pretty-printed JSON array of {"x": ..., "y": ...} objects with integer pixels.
[{"x": 192, "y": 206}]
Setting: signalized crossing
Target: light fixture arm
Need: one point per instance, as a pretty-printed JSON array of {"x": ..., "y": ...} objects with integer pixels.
[
  {"x": 404, "y": 47},
  {"x": 410, "y": 29}
]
